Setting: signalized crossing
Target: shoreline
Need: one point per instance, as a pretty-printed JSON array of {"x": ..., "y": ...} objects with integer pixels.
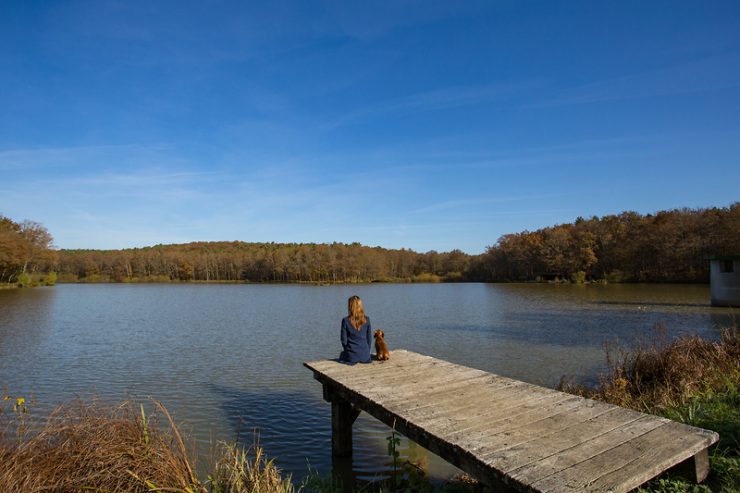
[{"x": 377, "y": 281}]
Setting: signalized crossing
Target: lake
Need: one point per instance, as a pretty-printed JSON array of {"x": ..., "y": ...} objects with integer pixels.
[{"x": 226, "y": 360}]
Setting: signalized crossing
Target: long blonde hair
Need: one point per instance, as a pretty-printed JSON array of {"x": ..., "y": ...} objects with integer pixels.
[{"x": 356, "y": 313}]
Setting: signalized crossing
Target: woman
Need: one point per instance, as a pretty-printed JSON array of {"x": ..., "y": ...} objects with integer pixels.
[{"x": 356, "y": 334}]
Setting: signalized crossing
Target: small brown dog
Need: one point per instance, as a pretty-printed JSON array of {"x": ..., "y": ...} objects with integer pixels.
[{"x": 381, "y": 349}]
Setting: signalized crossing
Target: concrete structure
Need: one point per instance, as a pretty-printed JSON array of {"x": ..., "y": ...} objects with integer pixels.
[{"x": 724, "y": 275}]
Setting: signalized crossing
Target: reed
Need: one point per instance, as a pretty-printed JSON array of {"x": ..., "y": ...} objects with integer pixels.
[
  {"x": 89, "y": 446},
  {"x": 240, "y": 470}
]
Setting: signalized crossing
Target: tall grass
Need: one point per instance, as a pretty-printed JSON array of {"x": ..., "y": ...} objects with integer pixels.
[
  {"x": 238, "y": 471},
  {"x": 88, "y": 446},
  {"x": 661, "y": 373}
]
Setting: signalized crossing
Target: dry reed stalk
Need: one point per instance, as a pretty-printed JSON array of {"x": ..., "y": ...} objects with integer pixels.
[
  {"x": 87, "y": 446},
  {"x": 237, "y": 472},
  {"x": 659, "y": 373}
]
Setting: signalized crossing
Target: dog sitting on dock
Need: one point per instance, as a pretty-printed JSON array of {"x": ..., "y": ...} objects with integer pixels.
[{"x": 381, "y": 348}]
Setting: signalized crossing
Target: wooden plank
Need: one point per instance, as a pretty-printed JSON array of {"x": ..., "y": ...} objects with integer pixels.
[
  {"x": 502, "y": 402},
  {"x": 498, "y": 432},
  {"x": 404, "y": 359},
  {"x": 498, "y": 417},
  {"x": 547, "y": 443},
  {"x": 428, "y": 395},
  {"x": 423, "y": 382},
  {"x": 518, "y": 430},
  {"x": 404, "y": 391},
  {"x": 379, "y": 376},
  {"x": 502, "y": 389},
  {"x": 630, "y": 464},
  {"x": 436, "y": 418},
  {"x": 360, "y": 374},
  {"x": 551, "y": 422},
  {"x": 381, "y": 383},
  {"x": 515, "y": 429},
  {"x": 470, "y": 398},
  {"x": 567, "y": 458}
]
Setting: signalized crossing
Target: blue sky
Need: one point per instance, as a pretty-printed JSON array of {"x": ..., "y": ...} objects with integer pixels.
[{"x": 425, "y": 125}]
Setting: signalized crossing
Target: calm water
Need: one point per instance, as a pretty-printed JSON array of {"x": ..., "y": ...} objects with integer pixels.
[{"x": 227, "y": 359}]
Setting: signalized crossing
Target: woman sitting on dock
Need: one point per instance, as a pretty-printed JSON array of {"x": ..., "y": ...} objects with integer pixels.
[{"x": 356, "y": 334}]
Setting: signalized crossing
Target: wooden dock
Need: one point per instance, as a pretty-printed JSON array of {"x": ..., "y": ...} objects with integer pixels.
[{"x": 503, "y": 431}]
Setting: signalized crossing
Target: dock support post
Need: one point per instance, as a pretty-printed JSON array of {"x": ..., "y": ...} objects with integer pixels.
[
  {"x": 694, "y": 468},
  {"x": 343, "y": 414},
  {"x": 700, "y": 465},
  {"x": 697, "y": 467}
]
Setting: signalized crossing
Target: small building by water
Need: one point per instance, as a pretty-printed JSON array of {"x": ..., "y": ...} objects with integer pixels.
[{"x": 724, "y": 277}]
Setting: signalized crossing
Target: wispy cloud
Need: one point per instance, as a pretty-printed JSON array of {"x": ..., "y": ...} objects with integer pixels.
[
  {"x": 372, "y": 19},
  {"x": 125, "y": 156},
  {"x": 139, "y": 179},
  {"x": 435, "y": 100},
  {"x": 709, "y": 74},
  {"x": 57, "y": 156},
  {"x": 477, "y": 202}
]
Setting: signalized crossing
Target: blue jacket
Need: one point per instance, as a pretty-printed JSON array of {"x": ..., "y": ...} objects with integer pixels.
[{"x": 356, "y": 343}]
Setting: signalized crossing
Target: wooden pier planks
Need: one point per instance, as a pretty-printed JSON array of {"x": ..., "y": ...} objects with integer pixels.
[{"x": 502, "y": 430}]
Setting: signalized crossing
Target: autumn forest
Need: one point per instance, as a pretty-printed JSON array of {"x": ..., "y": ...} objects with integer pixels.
[{"x": 668, "y": 246}]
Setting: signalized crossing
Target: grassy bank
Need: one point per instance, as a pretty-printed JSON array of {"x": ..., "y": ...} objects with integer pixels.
[{"x": 26, "y": 280}]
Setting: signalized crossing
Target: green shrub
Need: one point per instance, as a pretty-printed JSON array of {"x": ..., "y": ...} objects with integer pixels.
[
  {"x": 454, "y": 276},
  {"x": 426, "y": 277},
  {"x": 24, "y": 280},
  {"x": 578, "y": 277},
  {"x": 51, "y": 278}
]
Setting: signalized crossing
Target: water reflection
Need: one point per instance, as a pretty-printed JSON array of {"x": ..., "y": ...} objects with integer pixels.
[
  {"x": 646, "y": 304},
  {"x": 23, "y": 314},
  {"x": 294, "y": 420}
]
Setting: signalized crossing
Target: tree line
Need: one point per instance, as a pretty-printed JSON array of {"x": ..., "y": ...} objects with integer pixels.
[
  {"x": 668, "y": 246},
  {"x": 25, "y": 249},
  {"x": 261, "y": 262}
]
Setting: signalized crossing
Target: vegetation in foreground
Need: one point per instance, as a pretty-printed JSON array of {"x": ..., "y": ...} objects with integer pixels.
[
  {"x": 88, "y": 446},
  {"x": 689, "y": 380}
]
